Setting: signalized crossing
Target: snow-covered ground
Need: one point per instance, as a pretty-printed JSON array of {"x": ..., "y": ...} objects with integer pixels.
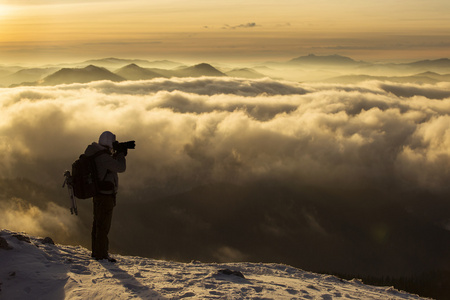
[{"x": 35, "y": 269}]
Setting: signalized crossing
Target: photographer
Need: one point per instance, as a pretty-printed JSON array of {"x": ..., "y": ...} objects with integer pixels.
[{"x": 108, "y": 163}]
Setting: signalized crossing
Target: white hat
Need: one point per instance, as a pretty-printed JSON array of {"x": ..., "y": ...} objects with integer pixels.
[{"x": 107, "y": 139}]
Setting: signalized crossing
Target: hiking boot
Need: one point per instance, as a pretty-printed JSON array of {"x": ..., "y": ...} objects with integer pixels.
[{"x": 111, "y": 259}]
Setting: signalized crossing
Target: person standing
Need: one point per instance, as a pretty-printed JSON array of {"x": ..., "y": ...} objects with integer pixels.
[{"x": 109, "y": 164}]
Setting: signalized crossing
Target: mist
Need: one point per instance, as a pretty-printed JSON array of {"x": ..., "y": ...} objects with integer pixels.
[{"x": 219, "y": 158}]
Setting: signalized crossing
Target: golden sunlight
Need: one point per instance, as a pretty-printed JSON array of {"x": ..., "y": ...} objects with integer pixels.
[{"x": 5, "y": 10}]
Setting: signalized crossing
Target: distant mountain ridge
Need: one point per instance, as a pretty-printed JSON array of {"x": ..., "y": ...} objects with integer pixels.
[
  {"x": 441, "y": 63},
  {"x": 115, "y": 63},
  {"x": 310, "y": 68},
  {"x": 199, "y": 70},
  {"x": 329, "y": 60},
  {"x": 84, "y": 75},
  {"x": 129, "y": 72},
  {"x": 134, "y": 72},
  {"x": 27, "y": 75},
  {"x": 421, "y": 78},
  {"x": 245, "y": 73}
]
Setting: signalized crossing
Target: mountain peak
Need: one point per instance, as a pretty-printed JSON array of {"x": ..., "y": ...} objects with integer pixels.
[
  {"x": 204, "y": 66},
  {"x": 332, "y": 60},
  {"x": 70, "y": 272},
  {"x": 131, "y": 66},
  {"x": 92, "y": 68},
  {"x": 438, "y": 63},
  {"x": 80, "y": 75},
  {"x": 135, "y": 72},
  {"x": 202, "y": 69}
]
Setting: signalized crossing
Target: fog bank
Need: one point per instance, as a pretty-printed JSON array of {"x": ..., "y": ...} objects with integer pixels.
[{"x": 372, "y": 134}]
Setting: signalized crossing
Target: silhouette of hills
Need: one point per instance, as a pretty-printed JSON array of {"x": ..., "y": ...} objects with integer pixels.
[
  {"x": 129, "y": 72},
  {"x": 330, "y": 60},
  {"x": 82, "y": 75},
  {"x": 338, "y": 60},
  {"x": 199, "y": 70},
  {"x": 245, "y": 73},
  {"x": 163, "y": 64},
  {"x": 332, "y": 68},
  {"x": 114, "y": 63},
  {"x": 134, "y": 72},
  {"x": 436, "y": 76},
  {"x": 344, "y": 64},
  {"x": 8, "y": 70},
  {"x": 422, "y": 78},
  {"x": 5, "y": 72},
  {"x": 27, "y": 75},
  {"x": 437, "y": 63}
]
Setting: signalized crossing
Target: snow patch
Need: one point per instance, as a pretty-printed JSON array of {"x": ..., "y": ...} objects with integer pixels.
[{"x": 33, "y": 269}]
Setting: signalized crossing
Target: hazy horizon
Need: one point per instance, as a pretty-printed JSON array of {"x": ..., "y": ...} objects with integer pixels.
[
  {"x": 308, "y": 68},
  {"x": 51, "y": 31},
  {"x": 229, "y": 62}
]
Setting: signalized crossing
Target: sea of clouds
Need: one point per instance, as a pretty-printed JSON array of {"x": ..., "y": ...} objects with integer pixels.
[{"x": 192, "y": 132}]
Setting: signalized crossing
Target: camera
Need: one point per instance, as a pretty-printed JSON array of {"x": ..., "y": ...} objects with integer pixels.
[{"x": 124, "y": 146}]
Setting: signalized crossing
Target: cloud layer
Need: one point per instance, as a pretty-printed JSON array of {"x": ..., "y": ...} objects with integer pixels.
[{"x": 193, "y": 131}]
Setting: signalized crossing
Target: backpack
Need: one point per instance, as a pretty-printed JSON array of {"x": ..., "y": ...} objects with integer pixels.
[{"x": 85, "y": 181}]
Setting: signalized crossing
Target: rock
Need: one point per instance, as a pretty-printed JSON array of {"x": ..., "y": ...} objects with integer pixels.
[
  {"x": 22, "y": 238},
  {"x": 196, "y": 262},
  {"x": 230, "y": 272},
  {"x": 48, "y": 240},
  {"x": 4, "y": 244}
]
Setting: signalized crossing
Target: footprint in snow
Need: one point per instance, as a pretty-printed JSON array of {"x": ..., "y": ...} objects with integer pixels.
[
  {"x": 79, "y": 269},
  {"x": 134, "y": 287},
  {"x": 210, "y": 286},
  {"x": 172, "y": 289},
  {"x": 216, "y": 293},
  {"x": 257, "y": 289},
  {"x": 312, "y": 287},
  {"x": 292, "y": 291},
  {"x": 187, "y": 295}
]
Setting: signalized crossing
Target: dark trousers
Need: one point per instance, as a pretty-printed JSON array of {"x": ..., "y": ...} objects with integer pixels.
[{"x": 103, "y": 209}]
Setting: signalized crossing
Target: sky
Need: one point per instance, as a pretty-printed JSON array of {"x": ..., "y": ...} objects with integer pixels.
[{"x": 36, "y": 31}]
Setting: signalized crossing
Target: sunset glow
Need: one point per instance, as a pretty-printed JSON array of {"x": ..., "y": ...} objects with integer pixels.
[{"x": 223, "y": 30}]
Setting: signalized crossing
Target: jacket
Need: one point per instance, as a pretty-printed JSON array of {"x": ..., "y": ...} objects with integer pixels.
[{"x": 107, "y": 166}]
